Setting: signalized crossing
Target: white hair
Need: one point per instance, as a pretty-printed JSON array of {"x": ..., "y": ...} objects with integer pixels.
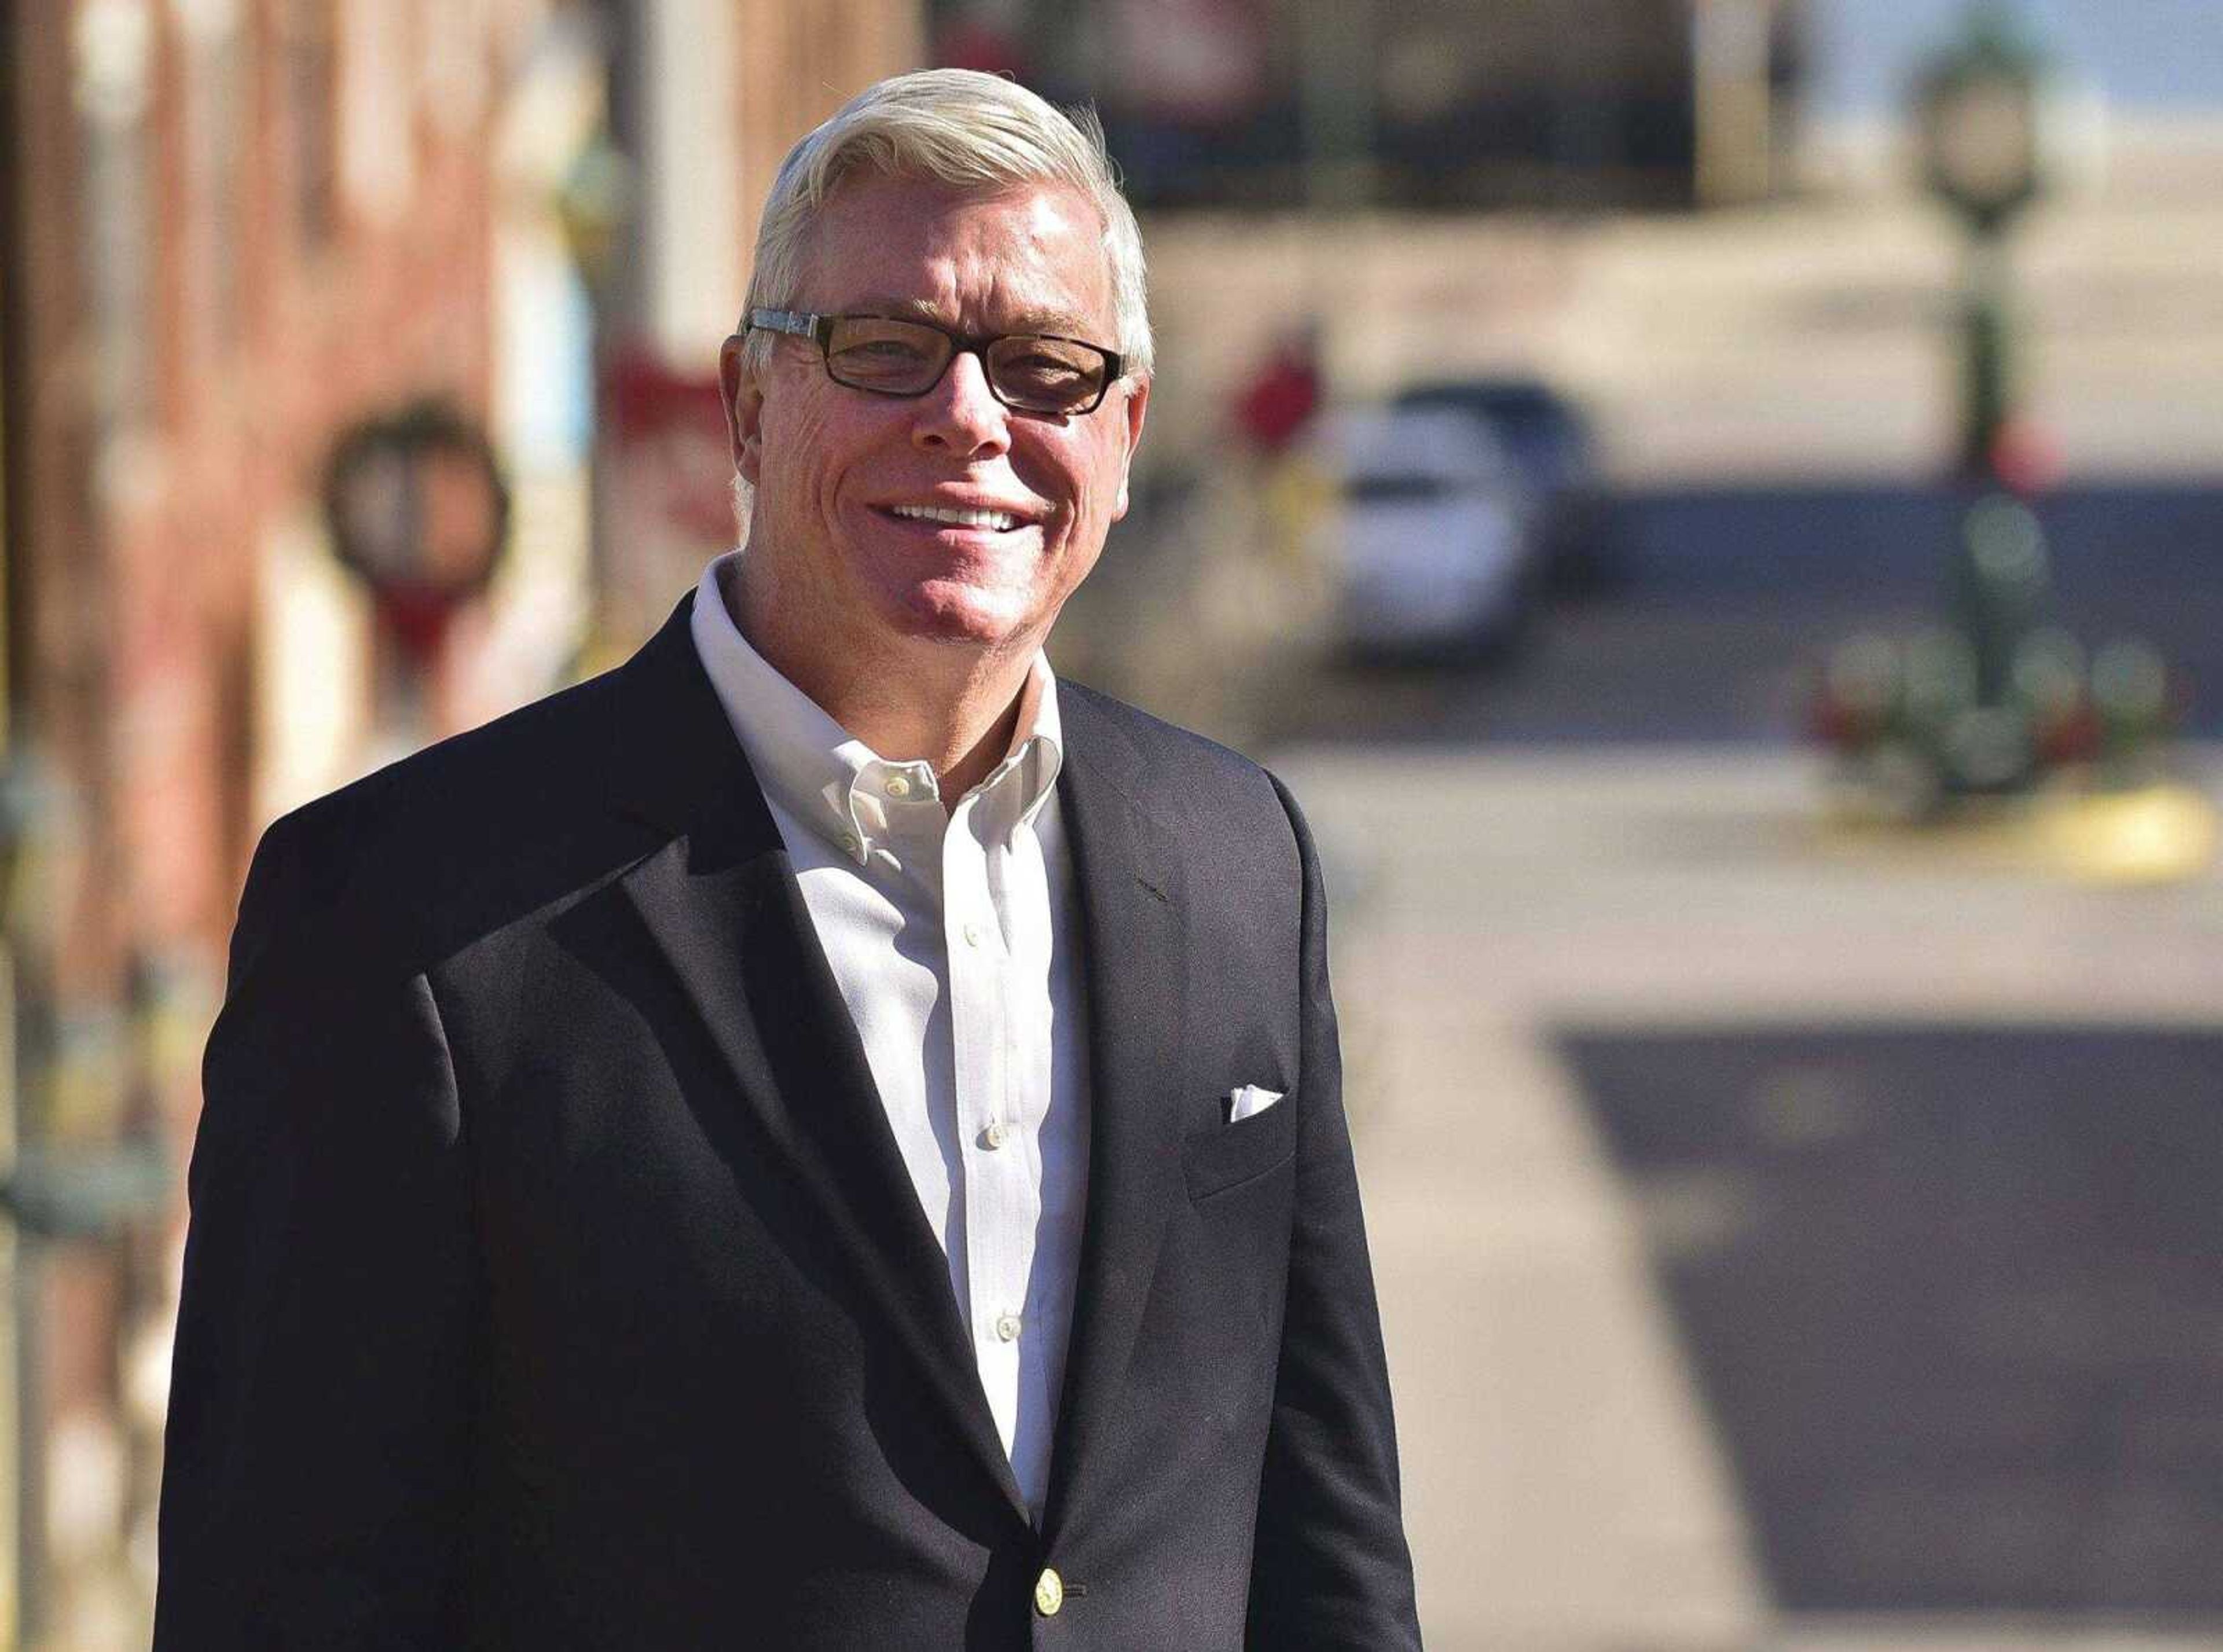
[{"x": 957, "y": 126}]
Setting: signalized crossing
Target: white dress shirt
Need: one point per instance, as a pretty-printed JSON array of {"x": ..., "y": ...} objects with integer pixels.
[{"x": 952, "y": 935}]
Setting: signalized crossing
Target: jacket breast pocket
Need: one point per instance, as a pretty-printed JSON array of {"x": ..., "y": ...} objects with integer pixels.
[{"x": 1229, "y": 1155}]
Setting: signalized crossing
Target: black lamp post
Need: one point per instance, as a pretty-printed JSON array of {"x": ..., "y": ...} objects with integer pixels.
[
  {"x": 1977, "y": 110},
  {"x": 1999, "y": 701}
]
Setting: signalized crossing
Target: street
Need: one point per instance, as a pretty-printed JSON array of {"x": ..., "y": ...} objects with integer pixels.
[
  {"x": 1788, "y": 1238},
  {"x": 1722, "y": 603}
]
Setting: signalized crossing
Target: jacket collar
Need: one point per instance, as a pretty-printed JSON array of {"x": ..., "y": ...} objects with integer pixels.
[
  {"x": 1128, "y": 870},
  {"x": 719, "y": 898},
  {"x": 722, "y": 901}
]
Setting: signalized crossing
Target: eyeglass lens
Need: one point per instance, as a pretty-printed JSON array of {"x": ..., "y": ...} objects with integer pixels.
[{"x": 902, "y": 358}]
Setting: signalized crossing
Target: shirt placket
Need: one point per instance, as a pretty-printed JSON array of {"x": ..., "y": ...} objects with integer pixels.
[
  {"x": 1019, "y": 882},
  {"x": 1000, "y": 1197}
]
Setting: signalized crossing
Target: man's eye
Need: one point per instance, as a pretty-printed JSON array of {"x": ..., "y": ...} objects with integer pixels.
[
  {"x": 882, "y": 352},
  {"x": 1044, "y": 369}
]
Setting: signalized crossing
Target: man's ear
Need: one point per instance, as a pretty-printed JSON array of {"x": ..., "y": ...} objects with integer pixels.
[
  {"x": 743, "y": 402},
  {"x": 1138, "y": 402}
]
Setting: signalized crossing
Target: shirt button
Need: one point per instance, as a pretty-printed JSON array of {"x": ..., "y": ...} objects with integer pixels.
[
  {"x": 1007, "y": 1328},
  {"x": 994, "y": 1136},
  {"x": 898, "y": 786},
  {"x": 1049, "y": 1591},
  {"x": 972, "y": 934}
]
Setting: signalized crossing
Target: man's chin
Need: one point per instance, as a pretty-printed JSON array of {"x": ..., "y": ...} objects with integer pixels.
[{"x": 964, "y": 615}]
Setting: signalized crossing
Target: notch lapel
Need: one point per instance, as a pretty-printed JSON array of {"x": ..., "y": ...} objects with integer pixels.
[
  {"x": 722, "y": 904},
  {"x": 1127, "y": 870}
]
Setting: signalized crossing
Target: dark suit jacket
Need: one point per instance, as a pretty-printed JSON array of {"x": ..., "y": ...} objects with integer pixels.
[{"x": 553, "y": 1280}]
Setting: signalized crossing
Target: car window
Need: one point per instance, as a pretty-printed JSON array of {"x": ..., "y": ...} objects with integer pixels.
[{"x": 1388, "y": 490}]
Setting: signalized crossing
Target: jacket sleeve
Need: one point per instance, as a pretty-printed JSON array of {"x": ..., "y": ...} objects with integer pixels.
[
  {"x": 1329, "y": 1566},
  {"x": 316, "y": 1445}
]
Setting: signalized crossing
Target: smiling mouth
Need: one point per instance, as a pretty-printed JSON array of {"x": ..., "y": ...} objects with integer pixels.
[{"x": 997, "y": 521}]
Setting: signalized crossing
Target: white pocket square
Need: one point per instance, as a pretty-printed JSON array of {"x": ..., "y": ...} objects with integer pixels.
[{"x": 1249, "y": 1101}]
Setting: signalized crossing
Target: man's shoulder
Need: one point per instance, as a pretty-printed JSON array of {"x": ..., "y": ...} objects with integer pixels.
[
  {"x": 1089, "y": 710},
  {"x": 477, "y": 828},
  {"x": 523, "y": 765},
  {"x": 1186, "y": 778}
]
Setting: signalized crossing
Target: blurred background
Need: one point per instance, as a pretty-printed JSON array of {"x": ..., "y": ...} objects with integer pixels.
[{"x": 1713, "y": 503}]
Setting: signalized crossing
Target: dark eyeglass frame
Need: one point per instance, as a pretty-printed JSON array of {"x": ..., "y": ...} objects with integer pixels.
[{"x": 819, "y": 329}]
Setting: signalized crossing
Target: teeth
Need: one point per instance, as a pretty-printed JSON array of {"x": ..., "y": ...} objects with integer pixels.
[{"x": 1001, "y": 521}]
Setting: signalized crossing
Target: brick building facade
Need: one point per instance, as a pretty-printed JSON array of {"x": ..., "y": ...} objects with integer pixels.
[
  {"x": 232, "y": 229},
  {"x": 234, "y": 226}
]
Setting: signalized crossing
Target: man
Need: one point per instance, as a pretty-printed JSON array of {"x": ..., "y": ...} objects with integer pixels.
[{"x": 825, "y": 1137}]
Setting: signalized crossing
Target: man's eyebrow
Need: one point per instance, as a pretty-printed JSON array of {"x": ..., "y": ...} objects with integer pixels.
[
  {"x": 896, "y": 309},
  {"x": 1063, "y": 323}
]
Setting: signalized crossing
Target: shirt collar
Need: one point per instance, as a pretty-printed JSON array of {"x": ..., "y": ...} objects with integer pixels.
[{"x": 823, "y": 775}]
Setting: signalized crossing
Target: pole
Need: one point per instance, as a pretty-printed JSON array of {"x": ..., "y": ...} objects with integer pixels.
[
  {"x": 2000, "y": 575},
  {"x": 1988, "y": 390},
  {"x": 1337, "y": 48},
  {"x": 18, "y": 1447}
]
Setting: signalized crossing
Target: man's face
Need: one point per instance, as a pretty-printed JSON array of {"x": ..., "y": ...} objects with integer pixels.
[{"x": 834, "y": 542}]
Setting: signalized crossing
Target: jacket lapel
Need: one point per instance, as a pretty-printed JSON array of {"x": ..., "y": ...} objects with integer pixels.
[
  {"x": 722, "y": 904},
  {"x": 1127, "y": 870}
]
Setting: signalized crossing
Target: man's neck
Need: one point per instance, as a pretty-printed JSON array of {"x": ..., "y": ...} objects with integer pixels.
[{"x": 953, "y": 707}]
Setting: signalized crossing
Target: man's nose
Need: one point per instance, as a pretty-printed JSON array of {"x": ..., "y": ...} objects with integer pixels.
[{"x": 960, "y": 414}]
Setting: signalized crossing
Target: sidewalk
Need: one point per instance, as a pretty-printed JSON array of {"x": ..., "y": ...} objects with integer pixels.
[{"x": 1565, "y": 1489}]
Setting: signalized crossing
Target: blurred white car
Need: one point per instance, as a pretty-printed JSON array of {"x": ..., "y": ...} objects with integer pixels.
[
  {"x": 1434, "y": 541},
  {"x": 1550, "y": 439}
]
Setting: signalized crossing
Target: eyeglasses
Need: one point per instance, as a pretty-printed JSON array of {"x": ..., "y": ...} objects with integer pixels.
[{"x": 1031, "y": 372}]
